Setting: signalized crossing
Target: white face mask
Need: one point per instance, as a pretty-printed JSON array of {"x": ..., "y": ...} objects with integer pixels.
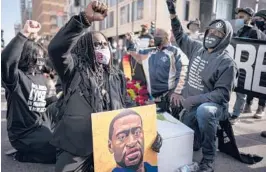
[
  {"x": 103, "y": 56},
  {"x": 239, "y": 23}
]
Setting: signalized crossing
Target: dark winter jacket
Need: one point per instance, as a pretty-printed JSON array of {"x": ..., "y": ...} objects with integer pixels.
[{"x": 73, "y": 133}]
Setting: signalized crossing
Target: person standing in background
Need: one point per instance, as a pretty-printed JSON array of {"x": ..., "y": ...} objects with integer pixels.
[
  {"x": 243, "y": 20},
  {"x": 259, "y": 20},
  {"x": 194, "y": 28},
  {"x": 145, "y": 36},
  {"x": 143, "y": 43}
]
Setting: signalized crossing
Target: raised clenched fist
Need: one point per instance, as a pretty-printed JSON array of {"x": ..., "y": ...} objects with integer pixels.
[
  {"x": 31, "y": 29},
  {"x": 32, "y": 26},
  {"x": 96, "y": 11}
]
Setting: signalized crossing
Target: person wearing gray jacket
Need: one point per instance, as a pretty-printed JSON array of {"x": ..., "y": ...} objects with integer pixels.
[{"x": 210, "y": 81}]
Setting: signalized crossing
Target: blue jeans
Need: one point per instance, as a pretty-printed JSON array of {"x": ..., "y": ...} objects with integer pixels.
[
  {"x": 239, "y": 104},
  {"x": 204, "y": 120}
]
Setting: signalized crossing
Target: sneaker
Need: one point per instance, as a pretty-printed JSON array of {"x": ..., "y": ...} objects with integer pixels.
[
  {"x": 205, "y": 166},
  {"x": 259, "y": 113},
  {"x": 234, "y": 120},
  {"x": 247, "y": 109},
  {"x": 263, "y": 134}
]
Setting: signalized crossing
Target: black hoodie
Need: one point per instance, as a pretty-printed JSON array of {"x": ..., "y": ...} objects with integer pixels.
[
  {"x": 211, "y": 76},
  {"x": 26, "y": 93}
]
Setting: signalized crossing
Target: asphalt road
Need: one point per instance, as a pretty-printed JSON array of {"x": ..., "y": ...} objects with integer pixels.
[{"x": 247, "y": 135}]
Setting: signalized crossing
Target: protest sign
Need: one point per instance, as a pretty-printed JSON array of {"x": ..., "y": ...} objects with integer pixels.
[
  {"x": 250, "y": 57},
  {"x": 122, "y": 139}
]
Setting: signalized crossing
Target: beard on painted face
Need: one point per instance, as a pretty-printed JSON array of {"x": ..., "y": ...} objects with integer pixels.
[{"x": 134, "y": 166}]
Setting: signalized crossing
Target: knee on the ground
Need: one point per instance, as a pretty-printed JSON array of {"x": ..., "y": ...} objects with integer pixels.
[{"x": 206, "y": 112}]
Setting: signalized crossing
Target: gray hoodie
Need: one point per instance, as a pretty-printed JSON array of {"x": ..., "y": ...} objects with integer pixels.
[{"x": 211, "y": 76}]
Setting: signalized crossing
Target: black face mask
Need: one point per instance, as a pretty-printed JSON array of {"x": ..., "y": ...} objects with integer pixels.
[
  {"x": 158, "y": 41},
  {"x": 212, "y": 41},
  {"x": 260, "y": 25}
]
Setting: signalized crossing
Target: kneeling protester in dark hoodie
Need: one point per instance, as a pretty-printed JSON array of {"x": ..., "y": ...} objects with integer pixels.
[
  {"x": 208, "y": 88},
  {"x": 28, "y": 126},
  {"x": 210, "y": 81}
]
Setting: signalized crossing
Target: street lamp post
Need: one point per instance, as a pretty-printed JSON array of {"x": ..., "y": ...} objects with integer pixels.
[
  {"x": 133, "y": 15},
  {"x": 257, "y": 5}
]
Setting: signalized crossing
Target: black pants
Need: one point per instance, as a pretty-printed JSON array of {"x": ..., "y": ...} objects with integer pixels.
[
  {"x": 35, "y": 147},
  {"x": 262, "y": 102},
  {"x": 67, "y": 162}
]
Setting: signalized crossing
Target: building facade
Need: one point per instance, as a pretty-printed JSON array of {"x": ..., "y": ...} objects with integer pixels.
[
  {"x": 254, "y": 4},
  {"x": 128, "y": 15},
  {"x": 25, "y": 10},
  {"x": 17, "y": 28},
  {"x": 50, "y": 14}
]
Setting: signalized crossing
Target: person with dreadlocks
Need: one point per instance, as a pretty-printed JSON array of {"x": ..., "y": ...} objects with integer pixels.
[
  {"x": 28, "y": 126},
  {"x": 90, "y": 84}
]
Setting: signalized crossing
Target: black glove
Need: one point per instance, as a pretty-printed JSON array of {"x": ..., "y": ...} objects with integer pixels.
[
  {"x": 171, "y": 6},
  {"x": 157, "y": 144}
]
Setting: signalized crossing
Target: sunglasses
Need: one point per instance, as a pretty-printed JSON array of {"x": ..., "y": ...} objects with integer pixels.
[{"x": 98, "y": 44}]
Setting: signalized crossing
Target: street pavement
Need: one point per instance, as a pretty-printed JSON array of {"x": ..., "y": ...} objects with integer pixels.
[{"x": 247, "y": 136}]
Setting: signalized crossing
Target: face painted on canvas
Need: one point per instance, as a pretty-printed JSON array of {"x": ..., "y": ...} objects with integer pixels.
[{"x": 126, "y": 141}]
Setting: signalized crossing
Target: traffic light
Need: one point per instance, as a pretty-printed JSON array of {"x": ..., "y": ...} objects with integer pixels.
[
  {"x": 153, "y": 28},
  {"x": 77, "y": 3}
]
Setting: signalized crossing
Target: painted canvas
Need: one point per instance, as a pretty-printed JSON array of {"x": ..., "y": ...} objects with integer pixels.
[{"x": 122, "y": 140}]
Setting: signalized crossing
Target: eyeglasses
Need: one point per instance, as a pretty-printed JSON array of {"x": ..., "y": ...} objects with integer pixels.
[{"x": 98, "y": 44}]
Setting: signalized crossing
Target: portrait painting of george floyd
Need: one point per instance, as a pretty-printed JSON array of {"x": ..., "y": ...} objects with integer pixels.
[{"x": 122, "y": 140}]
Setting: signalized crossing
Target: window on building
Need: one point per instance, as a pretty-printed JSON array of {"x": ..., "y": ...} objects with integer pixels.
[
  {"x": 125, "y": 14},
  {"x": 110, "y": 20},
  {"x": 103, "y": 24},
  {"x": 53, "y": 27},
  {"x": 53, "y": 19},
  {"x": 111, "y": 2},
  {"x": 187, "y": 10},
  {"x": 86, "y": 2},
  {"x": 60, "y": 21},
  {"x": 137, "y": 10},
  {"x": 93, "y": 28}
]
